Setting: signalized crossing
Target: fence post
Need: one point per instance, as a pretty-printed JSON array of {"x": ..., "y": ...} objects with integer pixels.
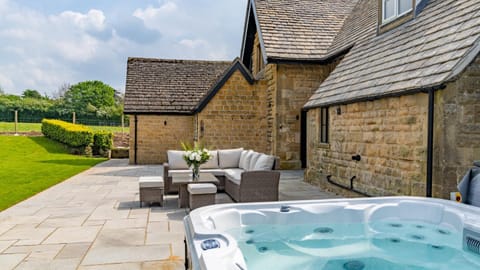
[
  {"x": 73, "y": 118},
  {"x": 123, "y": 125},
  {"x": 16, "y": 123}
]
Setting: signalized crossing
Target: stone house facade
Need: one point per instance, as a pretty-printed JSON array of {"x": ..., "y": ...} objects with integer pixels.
[
  {"x": 399, "y": 114},
  {"x": 255, "y": 103},
  {"x": 321, "y": 82}
]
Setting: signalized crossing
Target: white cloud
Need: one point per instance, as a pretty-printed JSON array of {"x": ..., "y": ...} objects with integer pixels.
[
  {"x": 93, "y": 20},
  {"x": 42, "y": 49},
  {"x": 192, "y": 44},
  {"x": 150, "y": 12}
]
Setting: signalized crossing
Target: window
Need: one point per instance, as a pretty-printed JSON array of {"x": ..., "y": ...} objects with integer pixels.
[
  {"x": 395, "y": 8},
  {"x": 324, "y": 125}
]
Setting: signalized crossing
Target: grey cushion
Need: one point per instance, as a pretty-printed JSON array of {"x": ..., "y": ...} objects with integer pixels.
[
  {"x": 150, "y": 182},
  {"x": 234, "y": 174},
  {"x": 182, "y": 171},
  {"x": 202, "y": 188},
  {"x": 473, "y": 197},
  {"x": 264, "y": 163},
  {"x": 212, "y": 163},
  {"x": 245, "y": 159},
  {"x": 229, "y": 158},
  {"x": 175, "y": 159},
  {"x": 216, "y": 172},
  {"x": 253, "y": 160}
]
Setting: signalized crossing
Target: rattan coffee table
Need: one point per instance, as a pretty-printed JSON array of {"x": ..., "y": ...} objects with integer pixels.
[{"x": 186, "y": 178}]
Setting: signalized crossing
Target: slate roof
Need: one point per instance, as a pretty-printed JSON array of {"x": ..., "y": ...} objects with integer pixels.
[
  {"x": 160, "y": 86},
  {"x": 300, "y": 29},
  {"x": 425, "y": 52}
]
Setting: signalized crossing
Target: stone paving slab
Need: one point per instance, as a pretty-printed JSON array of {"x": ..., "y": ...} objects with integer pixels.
[{"x": 93, "y": 221}]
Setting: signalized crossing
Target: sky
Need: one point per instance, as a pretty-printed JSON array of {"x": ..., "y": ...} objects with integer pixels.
[{"x": 45, "y": 44}]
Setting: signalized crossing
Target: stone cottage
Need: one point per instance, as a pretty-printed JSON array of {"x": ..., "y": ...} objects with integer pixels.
[
  {"x": 400, "y": 113},
  {"x": 380, "y": 94},
  {"x": 254, "y": 102},
  {"x": 174, "y": 101}
]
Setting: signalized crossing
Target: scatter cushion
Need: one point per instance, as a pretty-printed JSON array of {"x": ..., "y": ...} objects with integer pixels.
[
  {"x": 175, "y": 160},
  {"x": 229, "y": 158},
  {"x": 245, "y": 159},
  {"x": 264, "y": 163},
  {"x": 206, "y": 188},
  {"x": 212, "y": 163},
  {"x": 253, "y": 160},
  {"x": 150, "y": 182},
  {"x": 473, "y": 197}
]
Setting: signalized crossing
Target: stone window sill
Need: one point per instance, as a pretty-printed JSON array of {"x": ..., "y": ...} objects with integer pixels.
[{"x": 324, "y": 145}]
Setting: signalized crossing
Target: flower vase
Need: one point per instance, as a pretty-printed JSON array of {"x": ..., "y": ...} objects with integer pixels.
[{"x": 195, "y": 172}]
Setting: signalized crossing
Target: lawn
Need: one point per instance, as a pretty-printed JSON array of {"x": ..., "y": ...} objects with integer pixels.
[
  {"x": 27, "y": 127},
  {"x": 29, "y": 165}
]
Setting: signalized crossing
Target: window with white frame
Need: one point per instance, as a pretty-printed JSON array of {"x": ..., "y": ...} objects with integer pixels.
[{"x": 392, "y": 9}]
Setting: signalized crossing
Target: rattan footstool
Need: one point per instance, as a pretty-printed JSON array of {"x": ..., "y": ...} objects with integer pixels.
[
  {"x": 151, "y": 189},
  {"x": 201, "y": 195}
]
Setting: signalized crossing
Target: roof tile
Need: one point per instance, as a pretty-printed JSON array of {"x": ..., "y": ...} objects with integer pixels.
[
  {"x": 423, "y": 52},
  {"x": 169, "y": 86}
]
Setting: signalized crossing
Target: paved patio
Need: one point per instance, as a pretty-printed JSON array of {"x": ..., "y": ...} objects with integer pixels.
[{"x": 93, "y": 221}]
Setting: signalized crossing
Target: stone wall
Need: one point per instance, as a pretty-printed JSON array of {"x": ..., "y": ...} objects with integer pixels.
[
  {"x": 457, "y": 130},
  {"x": 236, "y": 116},
  {"x": 390, "y": 134},
  {"x": 157, "y": 134},
  {"x": 292, "y": 86}
]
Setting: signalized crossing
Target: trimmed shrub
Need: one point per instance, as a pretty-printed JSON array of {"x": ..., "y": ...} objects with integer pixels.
[
  {"x": 70, "y": 134},
  {"x": 102, "y": 142}
]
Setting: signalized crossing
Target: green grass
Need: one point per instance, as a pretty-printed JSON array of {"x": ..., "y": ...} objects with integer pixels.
[
  {"x": 27, "y": 127},
  {"x": 29, "y": 165}
]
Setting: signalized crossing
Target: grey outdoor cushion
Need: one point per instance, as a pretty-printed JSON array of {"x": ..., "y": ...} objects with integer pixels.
[
  {"x": 229, "y": 158},
  {"x": 253, "y": 161},
  {"x": 175, "y": 159},
  {"x": 212, "y": 163},
  {"x": 245, "y": 159},
  {"x": 264, "y": 163},
  {"x": 473, "y": 197},
  {"x": 469, "y": 187}
]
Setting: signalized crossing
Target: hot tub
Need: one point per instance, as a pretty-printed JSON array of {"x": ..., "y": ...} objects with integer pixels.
[{"x": 348, "y": 234}]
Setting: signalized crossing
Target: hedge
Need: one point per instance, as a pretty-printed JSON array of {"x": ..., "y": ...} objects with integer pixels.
[
  {"x": 102, "y": 142},
  {"x": 67, "y": 133}
]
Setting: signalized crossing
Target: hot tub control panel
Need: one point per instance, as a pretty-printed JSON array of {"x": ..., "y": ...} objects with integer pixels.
[{"x": 210, "y": 244}]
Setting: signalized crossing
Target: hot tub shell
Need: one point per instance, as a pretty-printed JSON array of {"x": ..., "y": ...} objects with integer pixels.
[{"x": 211, "y": 222}]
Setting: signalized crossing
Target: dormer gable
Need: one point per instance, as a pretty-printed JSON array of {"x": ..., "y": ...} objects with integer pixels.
[{"x": 393, "y": 13}]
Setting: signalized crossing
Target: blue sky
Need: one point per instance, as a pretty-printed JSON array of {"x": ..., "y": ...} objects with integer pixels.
[{"x": 44, "y": 44}]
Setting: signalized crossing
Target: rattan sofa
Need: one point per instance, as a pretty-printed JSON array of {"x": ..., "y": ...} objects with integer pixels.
[{"x": 239, "y": 172}]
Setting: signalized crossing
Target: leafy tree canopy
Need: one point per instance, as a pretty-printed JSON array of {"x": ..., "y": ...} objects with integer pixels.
[
  {"x": 29, "y": 93},
  {"x": 85, "y": 96}
]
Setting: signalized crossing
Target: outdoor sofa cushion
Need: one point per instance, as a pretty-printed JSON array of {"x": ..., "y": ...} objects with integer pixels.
[
  {"x": 212, "y": 163},
  {"x": 234, "y": 175},
  {"x": 264, "y": 163},
  {"x": 253, "y": 161},
  {"x": 473, "y": 197},
  {"x": 175, "y": 160},
  {"x": 229, "y": 158},
  {"x": 216, "y": 172},
  {"x": 245, "y": 159},
  {"x": 202, "y": 188}
]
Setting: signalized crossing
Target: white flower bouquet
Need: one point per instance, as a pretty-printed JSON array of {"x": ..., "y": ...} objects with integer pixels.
[{"x": 195, "y": 156}]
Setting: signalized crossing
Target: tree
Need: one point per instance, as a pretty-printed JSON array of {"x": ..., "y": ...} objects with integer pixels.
[
  {"x": 84, "y": 96},
  {"x": 29, "y": 93},
  {"x": 1, "y": 90},
  {"x": 61, "y": 91}
]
